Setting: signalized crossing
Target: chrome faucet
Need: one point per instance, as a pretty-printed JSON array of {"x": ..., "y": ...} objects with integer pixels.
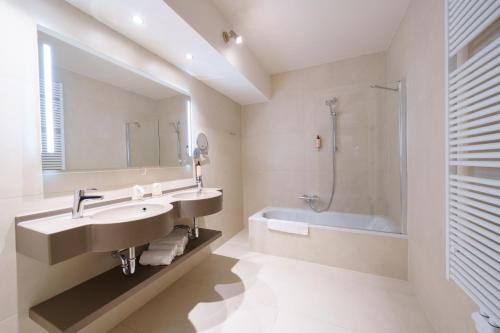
[
  {"x": 199, "y": 180},
  {"x": 79, "y": 198},
  {"x": 199, "y": 183}
]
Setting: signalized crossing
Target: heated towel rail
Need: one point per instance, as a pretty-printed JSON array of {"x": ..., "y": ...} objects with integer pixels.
[{"x": 473, "y": 148}]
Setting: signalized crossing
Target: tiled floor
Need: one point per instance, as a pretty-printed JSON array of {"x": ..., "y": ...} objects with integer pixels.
[{"x": 236, "y": 290}]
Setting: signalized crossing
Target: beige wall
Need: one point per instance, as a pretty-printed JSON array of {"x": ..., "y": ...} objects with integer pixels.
[
  {"x": 280, "y": 162},
  {"x": 417, "y": 54},
  {"x": 24, "y": 281}
]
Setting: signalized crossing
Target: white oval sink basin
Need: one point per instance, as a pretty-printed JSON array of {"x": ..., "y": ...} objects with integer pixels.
[
  {"x": 195, "y": 195},
  {"x": 130, "y": 212}
]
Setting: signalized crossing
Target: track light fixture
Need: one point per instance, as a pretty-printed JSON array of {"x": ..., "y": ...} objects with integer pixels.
[{"x": 231, "y": 34}]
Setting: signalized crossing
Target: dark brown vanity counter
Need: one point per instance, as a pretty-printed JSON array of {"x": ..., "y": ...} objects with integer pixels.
[{"x": 77, "y": 307}]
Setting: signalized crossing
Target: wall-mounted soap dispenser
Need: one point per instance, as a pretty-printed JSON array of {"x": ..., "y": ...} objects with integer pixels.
[{"x": 317, "y": 142}]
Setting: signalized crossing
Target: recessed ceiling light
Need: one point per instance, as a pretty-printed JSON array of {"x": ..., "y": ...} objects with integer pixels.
[
  {"x": 189, "y": 56},
  {"x": 239, "y": 40},
  {"x": 137, "y": 19}
]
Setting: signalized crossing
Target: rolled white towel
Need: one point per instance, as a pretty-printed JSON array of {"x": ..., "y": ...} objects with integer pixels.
[
  {"x": 158, "y": 257},
  {"x": 178, "y": 237},
  {"x": 298, "y": 228}
]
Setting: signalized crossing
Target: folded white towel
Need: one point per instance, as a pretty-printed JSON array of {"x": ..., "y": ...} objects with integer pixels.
[
  {"x": 299, "y": 228},
  {"x": 178, "y": 237},
  {"x": 165, "y": 246},
  {"x": 158, "y": 257}
]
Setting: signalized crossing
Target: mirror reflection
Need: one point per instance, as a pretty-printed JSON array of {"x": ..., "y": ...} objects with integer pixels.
[{"x": 96, "y": 114}]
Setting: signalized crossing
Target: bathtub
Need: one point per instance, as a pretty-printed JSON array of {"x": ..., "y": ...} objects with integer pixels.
[{"x": 358, "y": 242}]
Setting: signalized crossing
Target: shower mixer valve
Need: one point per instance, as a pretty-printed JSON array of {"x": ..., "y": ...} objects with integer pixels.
[{"x": 309, "y": 197}]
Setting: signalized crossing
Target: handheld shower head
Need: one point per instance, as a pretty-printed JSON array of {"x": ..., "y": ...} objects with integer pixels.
[{"x": 331, "y": 103}]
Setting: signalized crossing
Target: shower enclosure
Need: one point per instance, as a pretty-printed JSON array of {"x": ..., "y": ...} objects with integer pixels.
[
  {"x": 363, "y": 176},
  {"x": 396, "y": 100},
  {"x": 335, "y": 132},
  {"x": 140, "y": 134}
]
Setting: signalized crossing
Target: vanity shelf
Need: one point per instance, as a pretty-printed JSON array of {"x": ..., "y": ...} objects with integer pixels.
[{"x": 77, "y": 307}]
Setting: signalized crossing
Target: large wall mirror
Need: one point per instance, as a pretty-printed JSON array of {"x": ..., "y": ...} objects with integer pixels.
[{"x": 96, "y": 114}]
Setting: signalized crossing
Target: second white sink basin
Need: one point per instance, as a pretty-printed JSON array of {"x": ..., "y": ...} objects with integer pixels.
[
  {"x": 191, "y": 203},
  {"x": 130, "y": 212},
  {"x": 195, "y": 195}
]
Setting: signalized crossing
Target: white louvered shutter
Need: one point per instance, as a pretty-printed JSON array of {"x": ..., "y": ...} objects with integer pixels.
[{"x": 55, "y": 160}]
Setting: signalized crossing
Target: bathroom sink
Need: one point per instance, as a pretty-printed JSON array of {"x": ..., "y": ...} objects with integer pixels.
[
  {"x": 129, "y": 213},
  {"x": 192, "y": 203},
  {"x": 196, "y": 195},
  {"x": 130, "y": 224},
  {"x": 57, "y": 238}
]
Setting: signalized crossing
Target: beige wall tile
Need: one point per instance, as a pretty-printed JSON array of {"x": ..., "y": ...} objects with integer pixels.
[{"x": 280, "y": 162}]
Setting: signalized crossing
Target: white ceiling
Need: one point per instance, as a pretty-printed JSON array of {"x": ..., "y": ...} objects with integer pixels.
[
  {"x": 79, "y": 61},
  {"x": 292, "y": 34},
  {"x": 283, "y": 35},
  {"x": 166, "y": 34}
]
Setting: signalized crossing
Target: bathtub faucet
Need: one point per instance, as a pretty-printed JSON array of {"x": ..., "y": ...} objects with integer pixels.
[{"x": 309, "y": 197}]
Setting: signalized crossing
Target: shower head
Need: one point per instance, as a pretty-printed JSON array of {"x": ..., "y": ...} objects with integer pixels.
[
  {"x": 331, "y": 103},
  {"x": 176, "y": 125}
]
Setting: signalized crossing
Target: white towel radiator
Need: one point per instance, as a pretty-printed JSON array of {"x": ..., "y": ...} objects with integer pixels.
[{"x": 473, "y": 150}]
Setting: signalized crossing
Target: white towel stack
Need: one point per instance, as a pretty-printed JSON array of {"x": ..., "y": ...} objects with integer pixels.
[
  {"x": 163, "y": 251},
  {"x": 177, "y": 237},
  {"x": 157, "y": 257}
]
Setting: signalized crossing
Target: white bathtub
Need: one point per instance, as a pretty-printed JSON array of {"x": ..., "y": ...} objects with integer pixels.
[
  {"x": 359, "y": 242},
  {"x": 330, "y": 219}
]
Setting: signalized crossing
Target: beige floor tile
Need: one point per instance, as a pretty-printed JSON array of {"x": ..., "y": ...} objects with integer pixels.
[
  {"x": 185, "y": 306},
  {"x": 233, "y": 250},
  {"x": 122, "y": 329},
  {"x": 249, "y": 319},
  {"x": 20, "y": 324},
  {"x": 236, "y": 290},
  {"x": 240, "y": 238},
  {"x": 294, "y": 322}
]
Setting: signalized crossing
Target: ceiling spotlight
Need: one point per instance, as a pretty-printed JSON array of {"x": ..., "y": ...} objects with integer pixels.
[
  {"x": 137, "y": 20},
  {"x": 189, "y": 56},
  {"x": 226, "y": 36}
]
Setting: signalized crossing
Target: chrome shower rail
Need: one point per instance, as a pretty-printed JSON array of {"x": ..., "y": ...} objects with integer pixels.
[{"x": 382, "y": 87}]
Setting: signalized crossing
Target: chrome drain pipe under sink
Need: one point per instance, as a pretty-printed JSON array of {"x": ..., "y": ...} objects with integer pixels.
[
  {"x": 193, "y": 232},
  {"x": 127, "y": 261}
]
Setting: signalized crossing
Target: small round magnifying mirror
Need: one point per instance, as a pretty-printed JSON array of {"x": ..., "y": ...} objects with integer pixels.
[{"x": 202, "y": 142}]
